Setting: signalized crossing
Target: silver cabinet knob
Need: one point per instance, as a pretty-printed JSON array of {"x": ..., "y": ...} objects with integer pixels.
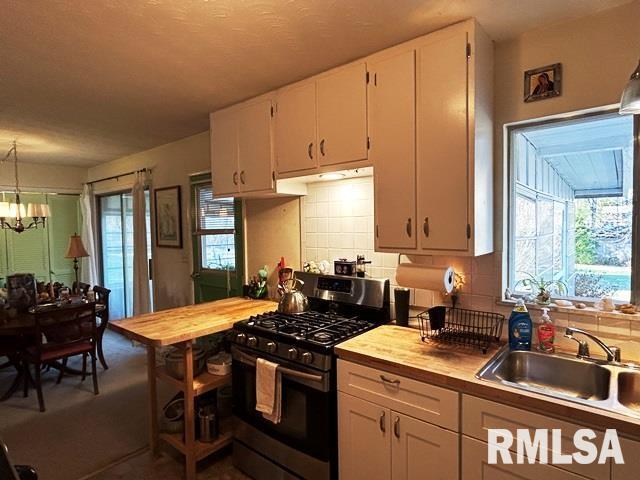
[
  {"x": 252, "y": 341},
  {"x": 307, "y": 357},
  {"x": 272, "y": 347},
  {"x": 292, "y": 353}
]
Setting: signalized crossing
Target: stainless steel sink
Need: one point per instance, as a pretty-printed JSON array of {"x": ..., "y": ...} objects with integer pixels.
[
  {"x": 629, "y": 390},
  {"x": 607, "y": 385}
]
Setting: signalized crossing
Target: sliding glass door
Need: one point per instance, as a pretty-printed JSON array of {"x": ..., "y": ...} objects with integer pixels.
[{"x": 116, "y": 238}]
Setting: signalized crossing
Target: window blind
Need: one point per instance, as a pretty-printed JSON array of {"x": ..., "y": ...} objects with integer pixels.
[{"x": 214, "y": 216}]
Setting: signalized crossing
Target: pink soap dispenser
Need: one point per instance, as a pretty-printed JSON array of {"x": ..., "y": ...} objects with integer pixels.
[{"x": 546, "y": 333}]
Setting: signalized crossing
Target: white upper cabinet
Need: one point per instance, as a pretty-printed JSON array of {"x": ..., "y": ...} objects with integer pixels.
[
  {"x": 322, "y": 122},
  {"x": 254, "y": 147},
  {"x": 452, "y": 176},
  {"x": 392, "y": 126},
  {"x": 296, "y": 146},
  {"x": 241, "y": 149},
  {"x": 442, "y": 144},
  {"x": 342, "y": 115},
  {"x": 224, "y": 152}
]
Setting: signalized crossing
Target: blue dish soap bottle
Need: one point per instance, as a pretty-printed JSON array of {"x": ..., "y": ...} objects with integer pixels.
[{"x": 520, "y": 327}]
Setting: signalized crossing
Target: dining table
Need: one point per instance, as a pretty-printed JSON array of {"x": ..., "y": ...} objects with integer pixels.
[{"x": 17, "y": 324}]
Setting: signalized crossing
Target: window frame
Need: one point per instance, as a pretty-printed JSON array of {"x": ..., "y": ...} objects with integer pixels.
[
  {"x": 200, "y": 233},
  {"x": 510, "y": 197}
]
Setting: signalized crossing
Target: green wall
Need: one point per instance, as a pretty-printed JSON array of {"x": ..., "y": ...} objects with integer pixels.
[{"x": 41, "y": 250}]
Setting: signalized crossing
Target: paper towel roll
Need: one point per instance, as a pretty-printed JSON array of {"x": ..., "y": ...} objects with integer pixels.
[{"x": 414, "y": 275}]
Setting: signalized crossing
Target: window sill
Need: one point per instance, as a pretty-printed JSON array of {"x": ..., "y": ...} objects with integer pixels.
[{"x": 587, "y": 312}]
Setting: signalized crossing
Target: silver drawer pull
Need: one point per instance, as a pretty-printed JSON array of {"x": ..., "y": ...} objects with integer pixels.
[{"x": 395, "y": 382}]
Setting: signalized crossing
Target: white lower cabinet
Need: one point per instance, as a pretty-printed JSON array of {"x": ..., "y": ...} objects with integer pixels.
[
  {"x": 364, "y": 439},
  {"x": 631, "y": 467},
  {"x": 420, "y": 450},
  {"x": 379, "y": 439},
  {"x": 475, "y": 466},
  {"x": 392, "y": 427}
]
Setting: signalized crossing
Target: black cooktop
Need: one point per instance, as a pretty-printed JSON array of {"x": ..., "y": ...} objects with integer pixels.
[{"x": 315, "y": 328}]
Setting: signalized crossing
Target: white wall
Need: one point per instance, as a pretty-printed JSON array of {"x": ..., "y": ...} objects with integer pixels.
[
  {"x": 36, "y": 177},
  {"x": 171, "y": 164}
]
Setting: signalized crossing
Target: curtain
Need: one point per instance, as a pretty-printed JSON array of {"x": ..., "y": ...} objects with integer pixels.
[
  {"x": 141, "y": 293},
  {"x": 88, "y": 265}
]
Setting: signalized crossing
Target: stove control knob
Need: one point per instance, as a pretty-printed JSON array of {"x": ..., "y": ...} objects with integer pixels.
[
  {"x": 252, "y": 341},
  {"x": 272, "y": 347},
  {"x": 241, "y": 338},
  {"x": 307, "y": 357},
  {"x": 292, "y": 353}
]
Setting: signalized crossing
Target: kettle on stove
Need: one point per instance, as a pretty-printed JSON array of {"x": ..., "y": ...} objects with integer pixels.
[{"x": 292, "y": 300}]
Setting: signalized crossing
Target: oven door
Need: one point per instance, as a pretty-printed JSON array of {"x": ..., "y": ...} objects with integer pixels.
[{"x": 308, "y": 404}]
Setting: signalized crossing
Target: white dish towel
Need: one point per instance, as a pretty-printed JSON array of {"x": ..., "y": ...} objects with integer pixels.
[{"x": 268, "y": 390}]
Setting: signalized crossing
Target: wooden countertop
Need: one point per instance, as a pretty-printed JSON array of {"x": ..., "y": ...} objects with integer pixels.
[
  {"x": 399, "y": 350},
  {"x": 176, "y": 325}
]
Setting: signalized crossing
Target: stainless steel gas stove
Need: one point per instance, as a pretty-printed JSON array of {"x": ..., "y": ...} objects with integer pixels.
[{"x": 304, "y": 443}]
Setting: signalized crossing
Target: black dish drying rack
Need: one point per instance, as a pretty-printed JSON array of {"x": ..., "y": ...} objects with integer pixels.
[{"x": 470, "y": 328}]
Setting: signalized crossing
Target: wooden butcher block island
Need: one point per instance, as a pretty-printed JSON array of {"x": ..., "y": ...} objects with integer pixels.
[{"x": 179, "y": 327}]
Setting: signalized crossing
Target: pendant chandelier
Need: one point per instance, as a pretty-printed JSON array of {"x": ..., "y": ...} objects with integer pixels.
[{"x": 12, "y": 214}]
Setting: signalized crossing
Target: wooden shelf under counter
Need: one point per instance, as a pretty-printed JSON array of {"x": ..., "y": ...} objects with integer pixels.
[
  {"x": 203, "y": 383},
  {"x": 202, "y": 449}
]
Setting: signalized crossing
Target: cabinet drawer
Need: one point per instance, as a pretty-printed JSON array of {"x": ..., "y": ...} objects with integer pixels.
[
  {"x": 476, "y": 467},
  {"x": 479, "y": 415},
  {"x": 420, "y": 400}
]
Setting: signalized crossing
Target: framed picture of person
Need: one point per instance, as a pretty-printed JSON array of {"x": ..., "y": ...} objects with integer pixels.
[
  {"x": 544, "y": 82},
  {"x": 168, "y": 217}
]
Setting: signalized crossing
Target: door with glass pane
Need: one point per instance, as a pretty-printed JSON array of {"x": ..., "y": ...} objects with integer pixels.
[
  {"x": 116, "y": 240},
  {"x": 217, "y": 243}
]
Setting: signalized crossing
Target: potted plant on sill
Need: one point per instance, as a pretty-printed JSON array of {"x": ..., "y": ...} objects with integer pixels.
[{"x": 543, "y": 287}]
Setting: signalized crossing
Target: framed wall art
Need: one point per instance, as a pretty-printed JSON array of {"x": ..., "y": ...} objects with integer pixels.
[
  {"x": 542, "y": 83},
  {"x": 168, "y": 217}
]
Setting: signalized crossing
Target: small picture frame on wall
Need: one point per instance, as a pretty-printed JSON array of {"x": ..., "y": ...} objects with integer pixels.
[
  {"x": 168, "y": 217},
  {"x": 542, "y": 83}
]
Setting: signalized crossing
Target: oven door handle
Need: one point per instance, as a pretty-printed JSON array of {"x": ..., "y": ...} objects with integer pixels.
[{"x": 251, "y": 360}]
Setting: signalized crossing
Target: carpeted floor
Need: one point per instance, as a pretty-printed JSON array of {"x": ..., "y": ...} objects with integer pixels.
[
  {"x": 165, "y": 467},
  {"x": 80, "y": 433}
]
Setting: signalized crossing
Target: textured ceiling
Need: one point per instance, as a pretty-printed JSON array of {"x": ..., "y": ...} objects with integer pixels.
[{"x": 83, "y": 82}]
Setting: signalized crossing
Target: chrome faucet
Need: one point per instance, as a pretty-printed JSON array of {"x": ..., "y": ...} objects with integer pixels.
[{"x": 613, "y": 353}]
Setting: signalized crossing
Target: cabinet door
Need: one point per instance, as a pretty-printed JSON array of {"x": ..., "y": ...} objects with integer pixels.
[
  {"x": 224, "y": 153},
  {"x": 421, "y": 450},
  {"x": 392, "y": 130},
  {"x": 296, "y": 129},
  {"x": 254, "y": 147},
  {"x": 442, "y": 142},
  {"x": 475, "y": 466},
  {"x": 363, "y": 439},
  {"x": 342, "y": 115},
  {"x": 631, "y": 467}
]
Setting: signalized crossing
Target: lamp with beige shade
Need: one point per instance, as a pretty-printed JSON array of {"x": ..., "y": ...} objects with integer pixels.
[{"x": 76, "y": 250}]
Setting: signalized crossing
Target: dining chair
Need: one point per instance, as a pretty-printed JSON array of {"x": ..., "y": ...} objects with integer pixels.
[
  {"x": 62, "y": 333},
  {"x": 102, "y": 298},
  {"x": 80, "y": 287},
  {"x": 9, "y": 471}
]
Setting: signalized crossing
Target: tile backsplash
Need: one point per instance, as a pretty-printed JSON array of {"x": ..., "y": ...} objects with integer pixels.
[{"x": 337, "y": 222}]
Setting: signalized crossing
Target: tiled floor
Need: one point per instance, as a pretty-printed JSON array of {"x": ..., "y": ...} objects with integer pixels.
[{"x": 165, "y": 467}]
